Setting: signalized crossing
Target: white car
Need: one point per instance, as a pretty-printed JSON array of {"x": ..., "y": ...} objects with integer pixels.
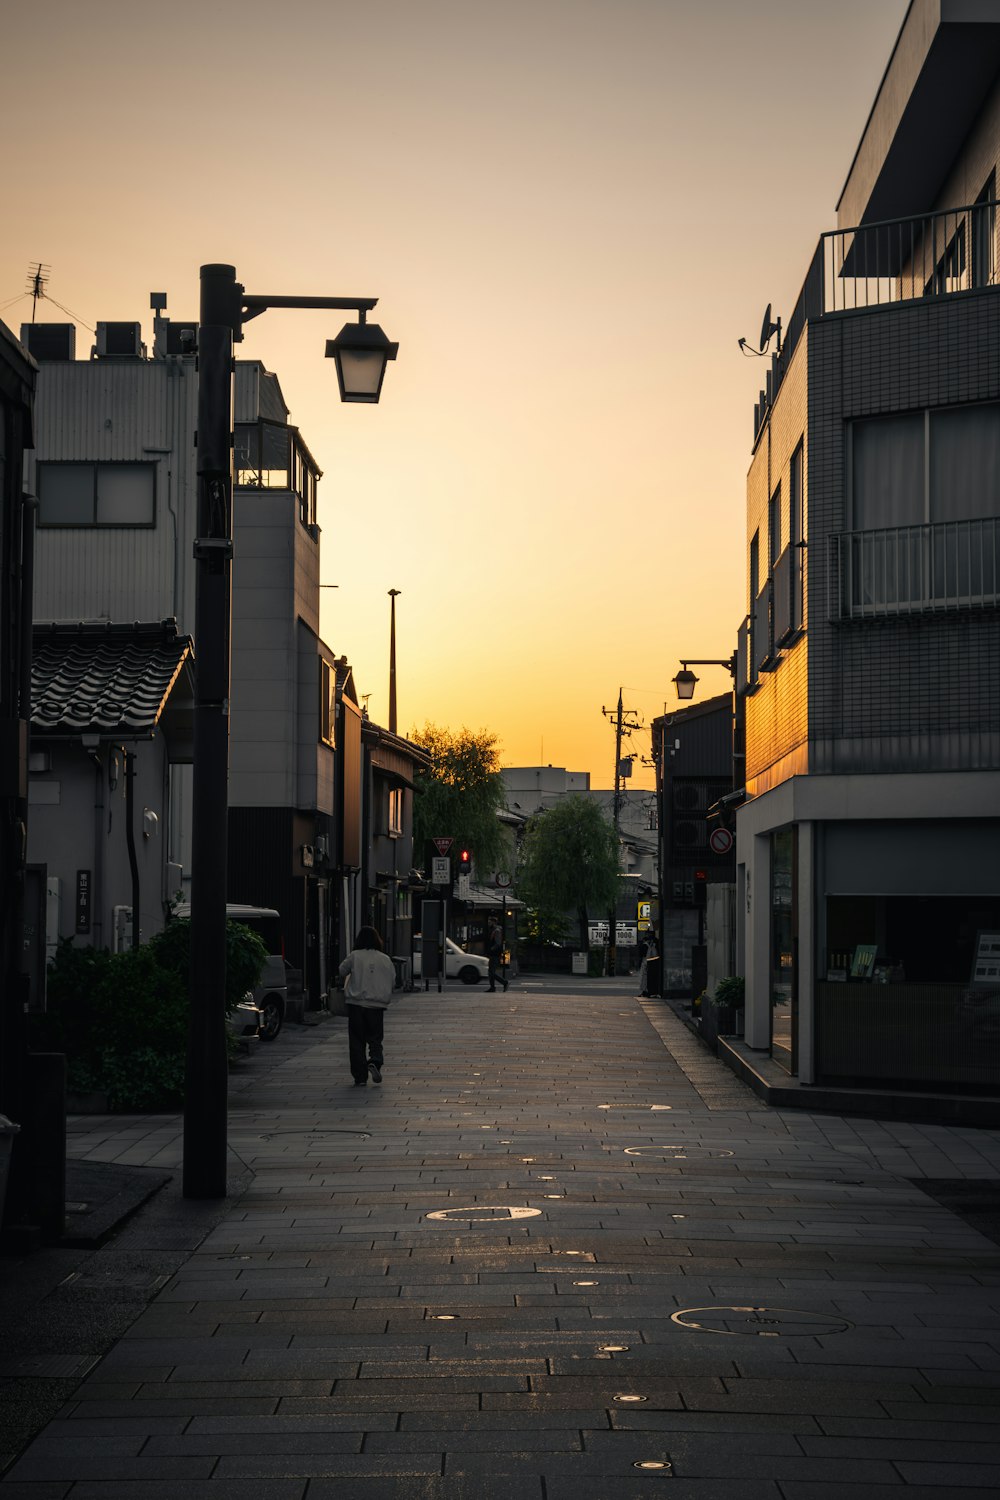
[{"x": 468, "y": 967}]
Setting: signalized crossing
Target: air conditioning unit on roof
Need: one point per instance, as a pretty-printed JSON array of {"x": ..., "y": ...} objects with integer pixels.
[
  {"x": 119, "y": 341},
  {"x": 49, "y": 341}
]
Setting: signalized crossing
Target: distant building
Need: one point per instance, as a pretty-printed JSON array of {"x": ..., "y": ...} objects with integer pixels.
[
  {"x": 693, "y": 751},
  {"x": 533, "y": 789},
  {"x": 869, "y": 872}
]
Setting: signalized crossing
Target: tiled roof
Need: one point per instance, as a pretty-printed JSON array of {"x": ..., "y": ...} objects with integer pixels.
[{"x": 100, "y": 678}]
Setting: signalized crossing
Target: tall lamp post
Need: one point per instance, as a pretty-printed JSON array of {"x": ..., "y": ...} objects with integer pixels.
[
  {"x": 361, "y": 351},
  {"x": 393, "y": 595}
]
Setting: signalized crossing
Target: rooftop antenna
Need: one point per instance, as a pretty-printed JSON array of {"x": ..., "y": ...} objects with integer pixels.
[
  {"x": 38, "y": 275},
  {"x": 767, "y": 329}
]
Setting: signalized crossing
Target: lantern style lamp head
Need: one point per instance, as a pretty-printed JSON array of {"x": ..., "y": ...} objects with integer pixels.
[
  {"x": 361, "y": 351},
  {"x": 685, "y": 682}
]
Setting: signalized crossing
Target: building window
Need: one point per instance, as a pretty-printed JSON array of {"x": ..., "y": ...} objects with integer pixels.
[
  {"x": 924, "y": 508},
  {"x": 796, "y": 536},
  {"x": 327, "y": 703},
  {"x": 395, "y": 823},
  {"x": 96, "y": 494},
  {"x": 271, "y": 456},
  {"x": 774, "y": 528}
]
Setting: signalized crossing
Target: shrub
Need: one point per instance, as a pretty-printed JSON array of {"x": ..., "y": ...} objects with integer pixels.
[
  {"x": 122, "y": 1018},
  {"x": 731, "y": 991}
]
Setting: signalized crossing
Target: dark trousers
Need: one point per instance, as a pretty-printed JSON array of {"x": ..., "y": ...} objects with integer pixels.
[
  {"x": 495, "y": 969},
  {"x": 365, "y": 1025}
]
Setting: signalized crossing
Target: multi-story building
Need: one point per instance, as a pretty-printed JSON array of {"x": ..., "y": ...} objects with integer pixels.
[
  {"x": 116, "y": 480},
  {"x": 869, "y": 842}
]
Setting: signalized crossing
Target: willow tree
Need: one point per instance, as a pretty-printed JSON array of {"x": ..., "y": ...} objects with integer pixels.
[
  {"x": 569, "y": 861},
  {"x": 461, "y": 795}
]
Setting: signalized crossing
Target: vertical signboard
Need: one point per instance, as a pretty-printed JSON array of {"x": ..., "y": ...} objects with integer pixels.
[{"x": 82, "y": 902}]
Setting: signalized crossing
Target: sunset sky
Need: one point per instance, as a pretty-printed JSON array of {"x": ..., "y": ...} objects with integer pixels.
[{"x": 570, "y": 210}]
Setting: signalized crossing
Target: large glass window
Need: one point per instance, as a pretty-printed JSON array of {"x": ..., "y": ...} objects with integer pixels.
[
  {"x": 887, "y": 463},
  {"x": 328, "y": 703},
  {"x": 271, "y": 456},
  {"x": 913, "y": 939},
  {"x": 96, "y": 494},
  {"x": 924, "y": 495}
]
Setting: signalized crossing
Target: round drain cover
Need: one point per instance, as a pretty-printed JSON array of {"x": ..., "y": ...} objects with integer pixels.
[
  {"x": 673, "y": 1153},
  {"x": 481, "y": 1212},
  {"x": 760, "y": 1322}
]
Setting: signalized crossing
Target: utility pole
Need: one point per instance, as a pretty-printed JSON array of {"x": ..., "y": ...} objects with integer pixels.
[{"x": 623, "y": 724}]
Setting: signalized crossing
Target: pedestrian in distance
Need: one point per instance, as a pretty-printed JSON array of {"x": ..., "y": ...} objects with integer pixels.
[
  {"x": 370, "y": 977},
  {"x": 648, "y": 976},
  {"x": 494, "y": 952}
]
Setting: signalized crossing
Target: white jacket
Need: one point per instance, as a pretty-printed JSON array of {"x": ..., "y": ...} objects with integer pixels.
[{"x": 371, "y": 977}]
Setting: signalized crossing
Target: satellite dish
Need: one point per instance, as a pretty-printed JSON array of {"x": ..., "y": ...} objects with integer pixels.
[{"x": 767, "y": 328}]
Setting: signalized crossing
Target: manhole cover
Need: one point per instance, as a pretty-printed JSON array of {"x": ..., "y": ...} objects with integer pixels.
[
  {"x": 674, "y": 1153},
  {"x": 646, "y": 1108},
  {"x": 760, "y": 1322},
  {"x": 485, "y": 1212}
]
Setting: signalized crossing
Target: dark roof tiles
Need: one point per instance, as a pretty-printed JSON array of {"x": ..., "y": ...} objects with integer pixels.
[{"x": 101, "y": 678}]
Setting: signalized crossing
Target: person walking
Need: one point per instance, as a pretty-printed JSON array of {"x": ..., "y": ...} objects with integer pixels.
[
  {"x": 649, "y": 976},
  {"x": 369, "y": 976},
  {"x": 494, "y": 952}
]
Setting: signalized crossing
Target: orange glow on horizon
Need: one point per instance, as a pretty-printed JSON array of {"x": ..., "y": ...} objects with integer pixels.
[{"x": 569, "y": 215}]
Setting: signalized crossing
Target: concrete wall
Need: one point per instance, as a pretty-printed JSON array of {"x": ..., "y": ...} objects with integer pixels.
[{"x": 77, "y": 822}]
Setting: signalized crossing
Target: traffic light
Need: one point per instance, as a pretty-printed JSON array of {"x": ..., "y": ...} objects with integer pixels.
[
  {"x": 700, "y": 888},
  {"x": 464, "y": 861}
]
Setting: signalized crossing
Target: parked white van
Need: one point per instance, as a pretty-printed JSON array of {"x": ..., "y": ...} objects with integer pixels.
[{"x": 270, "y": 994}]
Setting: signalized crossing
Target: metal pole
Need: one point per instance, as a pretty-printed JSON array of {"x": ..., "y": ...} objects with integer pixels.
[
  {"x": 205, "y": 1111},
  {"x": 393, "y": 595},
  {"x": 616, "y": 815}
]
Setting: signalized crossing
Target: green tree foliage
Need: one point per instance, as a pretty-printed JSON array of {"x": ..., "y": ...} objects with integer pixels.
[
  {"x": 569, "y": 862},
  {"x": 461, "y": 795},
  {"x": 122, "y": 1018}
]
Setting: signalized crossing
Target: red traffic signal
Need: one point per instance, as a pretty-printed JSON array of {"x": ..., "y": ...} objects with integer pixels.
[{"x": 464, "y": 861}]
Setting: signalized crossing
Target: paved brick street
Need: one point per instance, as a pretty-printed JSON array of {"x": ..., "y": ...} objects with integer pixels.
[{"x": 561, "y": 1254}]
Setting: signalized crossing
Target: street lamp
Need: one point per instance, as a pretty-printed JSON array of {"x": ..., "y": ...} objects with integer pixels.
[
  {"x": 686, "y": 681},
  {"x": 361, "y": 352},
  {"x": 393, "y": 595}
]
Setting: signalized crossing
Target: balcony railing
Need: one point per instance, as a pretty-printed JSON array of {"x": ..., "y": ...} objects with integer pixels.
[
  {"x": 895, "y": 261},
  {"x": 906, "y": 570},
  {"x": 900, "y": 260}
]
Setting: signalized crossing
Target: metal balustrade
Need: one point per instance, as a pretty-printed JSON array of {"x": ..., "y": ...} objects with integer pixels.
[
  {"x": 905, "y": 570},
  {"x": 894, "y": 261},
  {"x": 900, "y": 260}
]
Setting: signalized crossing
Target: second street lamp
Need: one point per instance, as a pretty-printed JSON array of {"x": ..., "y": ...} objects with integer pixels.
[{"x": 361, "y": 353}]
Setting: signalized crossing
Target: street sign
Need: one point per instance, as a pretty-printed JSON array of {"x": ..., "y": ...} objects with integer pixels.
[
  {"x": 441, "y": 871},
  {"x": 462, "y": 887},
  {"x": 720, "y": 841},
  {"x": 442, "y": 845},
  {"x": 626, "y": 935},
  {"x": 503, "y": 880}
]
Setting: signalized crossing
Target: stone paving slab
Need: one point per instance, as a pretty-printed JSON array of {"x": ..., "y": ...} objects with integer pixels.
[{"x": 638, "y": 1263}]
